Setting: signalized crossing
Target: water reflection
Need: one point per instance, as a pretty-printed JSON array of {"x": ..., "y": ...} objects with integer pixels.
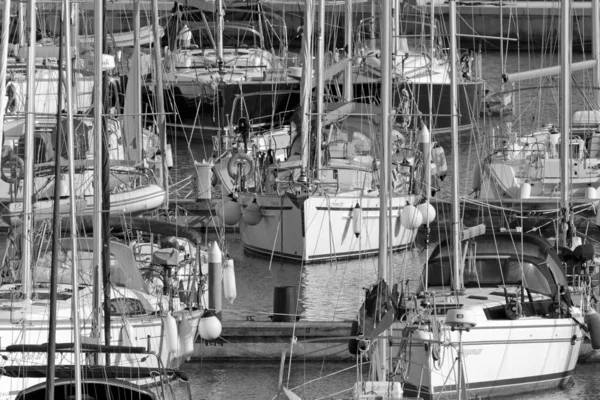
[{"x": 232, "y": 380}]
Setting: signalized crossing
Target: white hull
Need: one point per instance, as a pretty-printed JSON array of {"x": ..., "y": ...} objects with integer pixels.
[
  {"x": 527, "y": 169},
  {"x": 323, "y": 228},
  {"x": 131, "y": 202},
  {"x": 504, "y": 180},
  {"x": 124, "y": 39},
  {"x": 500, "y": 358},
  {"x": 147, "y": 331}
]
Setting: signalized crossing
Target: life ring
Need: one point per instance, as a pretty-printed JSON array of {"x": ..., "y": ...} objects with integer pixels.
[
  {"x": 237, "y": 158},
  {"x": 11, "y": 156}
]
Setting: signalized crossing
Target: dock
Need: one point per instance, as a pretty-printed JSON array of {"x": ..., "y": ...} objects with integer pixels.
[{"x": 266, "y": 341}]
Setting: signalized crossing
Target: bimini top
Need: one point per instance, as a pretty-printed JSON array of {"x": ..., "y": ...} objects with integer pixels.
[
  {"x": 501, "y": 259},
  {"x": 123, "y": 268}
]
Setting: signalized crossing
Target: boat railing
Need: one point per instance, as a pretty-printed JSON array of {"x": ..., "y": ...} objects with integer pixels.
[
  {"x": 336, "y": 184},
  {"x": 166, "y": 375}
]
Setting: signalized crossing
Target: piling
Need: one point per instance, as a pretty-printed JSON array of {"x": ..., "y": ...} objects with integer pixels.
[{"x": 284, "y": 304}]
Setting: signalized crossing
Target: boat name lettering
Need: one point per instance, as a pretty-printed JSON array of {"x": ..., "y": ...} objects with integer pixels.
[{"x": 474, "y": 352}]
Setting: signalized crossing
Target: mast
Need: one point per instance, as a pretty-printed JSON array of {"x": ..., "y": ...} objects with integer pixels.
[
  {"x": 596, "y": 51},
  {"x": 565, "y": 116},
  {"x": 27, "y": 233},
  {"x": 98, "y": 187},
  {"x": 320, "y": 88},
  {"x": 160, "y": 101},
  {"x": 384, "y": 181},
  {"x": 306, "y": 87},
  {"x": 456, "y": 257},
  {"x": 3, "y": 61},
  {"x": 105, "y": 207},
  {"x": 220, "y": 23},
  {"x": 50, "y": 367},
  {"x": 426, "y": 141},
  {"x": 348, "y": 95},
  {"x": 72, "y": 213}
]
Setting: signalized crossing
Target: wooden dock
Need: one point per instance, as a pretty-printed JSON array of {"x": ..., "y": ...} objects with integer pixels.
[{"x": 266, "y": 340}]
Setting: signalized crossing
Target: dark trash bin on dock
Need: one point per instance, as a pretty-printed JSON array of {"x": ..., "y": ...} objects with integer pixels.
[{"x": 284, "y": 304}]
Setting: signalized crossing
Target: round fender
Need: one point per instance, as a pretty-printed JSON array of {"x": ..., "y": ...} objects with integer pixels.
[
  {"x": 10, "y": 157},
  {"x": 246, "y": 160}
]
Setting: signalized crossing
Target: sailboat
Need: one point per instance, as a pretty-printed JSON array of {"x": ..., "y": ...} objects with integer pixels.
[
  {"x": 487, "y": 301},
  {"x": 213, "y": 60},
  {"x": 132, "y": 150},
  {"x": 131, "y": 317},
  {"x": 522, "y": 171},
  {"x": 322, "y": 201},
  {"x": 421, "y": 69}
]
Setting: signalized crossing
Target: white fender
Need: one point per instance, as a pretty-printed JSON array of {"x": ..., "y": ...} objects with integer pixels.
[
  {"x": 171, "y": 337},
  {"x": 186, "y": 337}
]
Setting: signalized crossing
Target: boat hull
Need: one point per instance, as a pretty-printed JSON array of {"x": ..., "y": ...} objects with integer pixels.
[
  {"x": 500, "y": 358},
  {"x": 503, "y": 181},
  {"x": 322, "y": 228},
  {"x": 266, "y": 102},
  {"x": 147, "y": 331},
  {"x": 131, "y": 202}
]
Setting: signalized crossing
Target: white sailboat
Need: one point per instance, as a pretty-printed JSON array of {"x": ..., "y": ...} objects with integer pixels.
[
  {"x": 139, "y": 329},
  {"x": 420, "y": 68},
  {"x": 523, "y": 171},
  {"x": 490, "y": 301},
  {"x": 322, "y": 202},
  {"x": 131, "y": 148}
]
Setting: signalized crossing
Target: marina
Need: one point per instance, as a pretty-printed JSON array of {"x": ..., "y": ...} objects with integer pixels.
[{"x": 315, "y": 200}]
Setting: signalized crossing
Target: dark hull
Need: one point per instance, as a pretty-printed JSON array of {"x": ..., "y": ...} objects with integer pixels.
[
  {"x": 272, "y": 103},
  {"x": 265, "y": 103}
]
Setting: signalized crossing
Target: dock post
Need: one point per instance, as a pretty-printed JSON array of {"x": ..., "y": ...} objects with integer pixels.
[
  {"x": 215, "y": 286},
  {"x": 284, "y": 304}
]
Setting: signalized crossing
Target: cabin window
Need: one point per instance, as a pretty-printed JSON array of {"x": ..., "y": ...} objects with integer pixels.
[
  {"x": 482, "y": 272},
  {"x": 486, "y": 272}
]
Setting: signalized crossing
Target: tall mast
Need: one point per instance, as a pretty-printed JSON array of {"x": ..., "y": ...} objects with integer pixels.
[
  {"x": 565, "y": 115},
  {"x": 320, "y": 88},
  {"x": 384, "y": 181},
  {"x": 98, "y": 187},
  {"x": 160, "y": 101},
  {"x": 29, "y": 158},
  {"x": 306, "y": 86},
  {"x": 428, "y": 125},
  {"x": 220, "y": 23},
  {"x": 72, "y": 214},
  {"x": 50, "y": 367},
  {"x": 596, "y": 51},
  {"x": 3, "y": 61},
  {"x": 105, "y": 173},
  {"x": 458, "y": 285},
  {"x": 348, "y": 95}
]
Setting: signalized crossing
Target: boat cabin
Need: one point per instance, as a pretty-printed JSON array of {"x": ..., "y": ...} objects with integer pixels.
[{"x": 501, "y": 260}]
